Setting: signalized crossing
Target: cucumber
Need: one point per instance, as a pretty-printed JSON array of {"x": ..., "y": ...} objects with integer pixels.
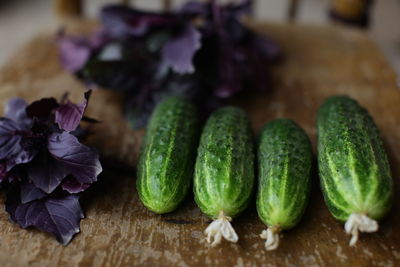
[
  {"x": 353, "y": 166},
  {"x": 284, "y": 170},
  {"x": 167, "y": 156},
  {"x": 224, "y": 171}
]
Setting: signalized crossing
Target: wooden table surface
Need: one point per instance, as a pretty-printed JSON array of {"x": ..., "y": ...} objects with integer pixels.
[{"x": 119, "y": 231}]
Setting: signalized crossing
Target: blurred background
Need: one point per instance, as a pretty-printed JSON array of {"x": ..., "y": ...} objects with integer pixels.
[{"x": 20, "y": 20}]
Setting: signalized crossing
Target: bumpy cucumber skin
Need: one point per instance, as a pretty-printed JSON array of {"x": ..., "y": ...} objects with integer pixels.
[
  {"x": 353, "y": 166},
  {"x": 168, "y": 153},
  {"x": 284, "y": 170},
  {"x": 224, "y": 171}
]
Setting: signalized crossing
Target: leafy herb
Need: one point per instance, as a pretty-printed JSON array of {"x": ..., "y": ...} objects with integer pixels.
[
  {"x": 202, "y": 51},
  {"x": 44, "y": 165}
]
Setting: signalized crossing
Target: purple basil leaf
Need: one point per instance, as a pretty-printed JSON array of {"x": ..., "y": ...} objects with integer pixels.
[
  {"x": 179, "y": 51},
  {"x": 23, "y": 156},
  {"x": 3, "y": 171},
  {"x": 15, "y": 108},
  {"x": 69, "y": 115},
  {"x": 11, "y": 148},
  {"x": 229, "y": 76},
  {"x": 46, "y": 173},
  {"x": 99, "y": 38},
  {"x": 121, "y": 21},
  {"x": 74, "y": 51},
  {"x": 71, "y": 185},
  {"x": 229, "y": 73},
  {"x": 195, "y": 8},
  {"x": 134, "y": 47},
  {"x": 16, "y": 111},
  {"x": 78, "y": 160},
  {"x": 59, "y": 216},
  {"x": 9, "y": 138},
  {"x": 41, "y": 108},
  {"x": 30, "y": 192}
]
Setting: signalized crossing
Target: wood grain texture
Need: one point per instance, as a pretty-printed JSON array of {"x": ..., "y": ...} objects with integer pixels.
[{"x": 119, "y": 231}]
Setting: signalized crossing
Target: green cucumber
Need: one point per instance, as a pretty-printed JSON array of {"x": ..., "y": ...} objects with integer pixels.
[
  {"x": 353, "y": 166},
  {"x": 284, "y": 170},
  {"x": 224, "y": 171},
  {"x": 167, "y": 156}
]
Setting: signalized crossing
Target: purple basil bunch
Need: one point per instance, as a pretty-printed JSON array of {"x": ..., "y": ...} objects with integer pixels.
[
  {"x": 201, "y": 50},
  {"x": 44, "y": 166}
]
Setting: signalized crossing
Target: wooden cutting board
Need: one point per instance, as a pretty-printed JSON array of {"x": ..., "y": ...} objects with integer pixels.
[{"x": 119, "y": 231}]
